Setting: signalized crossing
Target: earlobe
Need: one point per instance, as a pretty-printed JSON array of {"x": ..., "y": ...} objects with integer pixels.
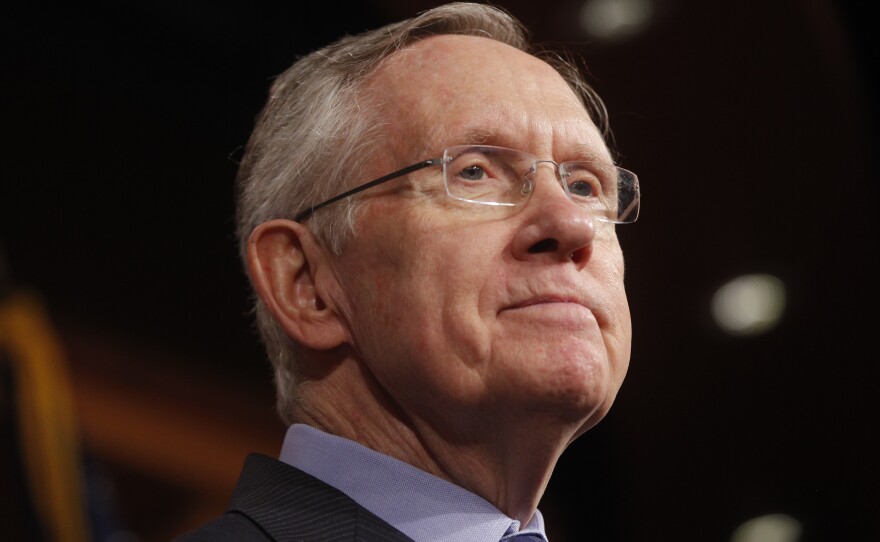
[{"x": 283, "y": 261}]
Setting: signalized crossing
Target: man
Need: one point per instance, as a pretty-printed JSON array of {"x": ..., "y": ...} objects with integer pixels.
[{"x": 442, "y": 333}]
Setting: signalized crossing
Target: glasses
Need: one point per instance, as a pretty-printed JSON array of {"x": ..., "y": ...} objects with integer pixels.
[{"x": 497, "y": 176}]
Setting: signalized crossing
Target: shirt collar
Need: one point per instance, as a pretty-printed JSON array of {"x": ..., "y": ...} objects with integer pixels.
[{"x": 422, "y": 506}]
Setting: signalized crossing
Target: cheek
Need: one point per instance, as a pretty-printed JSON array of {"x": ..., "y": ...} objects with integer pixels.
[
  {"x": 618, "y": 332},
  {"x": 608, "y": 269},
  {"x": 617, "y": 324},
  {"x": 444, "y": 296},
  {"x": 414, "y": 295}
]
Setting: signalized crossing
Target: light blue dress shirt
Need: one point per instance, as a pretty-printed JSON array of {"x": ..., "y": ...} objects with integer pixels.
[{"x": 422, "y": 506}]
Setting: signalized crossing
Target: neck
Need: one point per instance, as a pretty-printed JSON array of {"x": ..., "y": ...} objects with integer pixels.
[{"x": 507, "y": 459}]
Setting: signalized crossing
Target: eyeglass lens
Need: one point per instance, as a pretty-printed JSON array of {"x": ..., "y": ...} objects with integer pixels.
[{"x": 500, "y": 176}]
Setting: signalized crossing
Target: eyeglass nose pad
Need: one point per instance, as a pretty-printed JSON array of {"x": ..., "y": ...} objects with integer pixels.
[{"x": 527, "y": 186}]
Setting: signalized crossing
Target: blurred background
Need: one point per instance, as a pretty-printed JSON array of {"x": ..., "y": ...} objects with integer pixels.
[{"x": 132, "y": 384}]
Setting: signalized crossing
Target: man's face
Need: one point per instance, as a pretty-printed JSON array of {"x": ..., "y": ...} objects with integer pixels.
[{"x": 470, "y": 315}]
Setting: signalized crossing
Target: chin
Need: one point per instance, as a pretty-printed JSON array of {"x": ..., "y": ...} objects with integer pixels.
[{"x": 582, "y": 393}]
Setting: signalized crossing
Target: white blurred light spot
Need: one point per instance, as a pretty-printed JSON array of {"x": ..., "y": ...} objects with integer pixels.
[
  {"x": 749, "y": 305},
  {"x": 769, "y": 528},
  {"x": 614, "y": 19}
]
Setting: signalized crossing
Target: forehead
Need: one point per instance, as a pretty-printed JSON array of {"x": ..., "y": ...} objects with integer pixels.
[{"x": 449, "y": 90}]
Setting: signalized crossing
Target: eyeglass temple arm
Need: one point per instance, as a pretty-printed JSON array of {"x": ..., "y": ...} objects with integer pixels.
[{"x": 399, "y": 173}]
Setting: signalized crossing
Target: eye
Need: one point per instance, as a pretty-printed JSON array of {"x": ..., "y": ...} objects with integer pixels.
[
  {"x": 482, "y": 174},
  {"x": 584, "y": 186},
  {"x": 472, "y": 173},
  {"x": 584, "y": 181},
  {"x": 584, "y": 189}
]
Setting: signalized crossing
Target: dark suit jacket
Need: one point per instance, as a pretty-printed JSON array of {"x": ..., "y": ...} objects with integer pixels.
[{"x": 276, "y": 502}]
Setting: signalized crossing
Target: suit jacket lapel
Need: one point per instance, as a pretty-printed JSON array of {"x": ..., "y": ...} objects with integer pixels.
[{"x": 292, "y": 506}]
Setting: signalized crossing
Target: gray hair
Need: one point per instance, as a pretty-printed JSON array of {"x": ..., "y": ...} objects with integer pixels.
[{"x": 316, "y": 122}]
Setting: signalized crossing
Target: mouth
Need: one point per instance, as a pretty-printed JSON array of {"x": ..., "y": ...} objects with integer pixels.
[
  {"x": 551, "y": 313},
  {"x": 570, "y": 314},
  {"x": 545, "y": 300}
]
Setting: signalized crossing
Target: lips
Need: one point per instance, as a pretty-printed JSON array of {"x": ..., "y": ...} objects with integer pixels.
[
  {"x": 544, "y": 300},
  {"x": 551, "y": 313}
]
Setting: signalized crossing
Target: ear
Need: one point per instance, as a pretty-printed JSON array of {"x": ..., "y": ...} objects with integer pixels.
[{"x": 283, "y": 260}]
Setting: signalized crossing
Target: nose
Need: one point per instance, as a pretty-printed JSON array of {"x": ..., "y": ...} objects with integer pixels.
[{"x": 553, "y": 228}]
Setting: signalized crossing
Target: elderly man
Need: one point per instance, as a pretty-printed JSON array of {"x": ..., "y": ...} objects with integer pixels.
[{"x": 427, "y": 214}]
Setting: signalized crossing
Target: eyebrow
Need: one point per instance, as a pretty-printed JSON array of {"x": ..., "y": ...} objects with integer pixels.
[
  {"x": 587, "y": 153},
  {"x": 479, "y": 136},
  {"x": 581, "y": 151}
]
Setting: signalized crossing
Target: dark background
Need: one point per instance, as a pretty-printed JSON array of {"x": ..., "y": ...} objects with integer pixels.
[{"x": 752, "y": 126}]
